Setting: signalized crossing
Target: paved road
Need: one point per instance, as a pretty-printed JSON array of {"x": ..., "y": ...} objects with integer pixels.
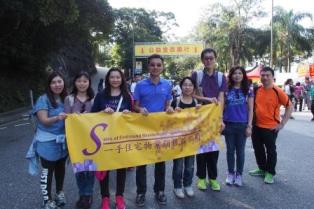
[{"x": 293, "y": 187}]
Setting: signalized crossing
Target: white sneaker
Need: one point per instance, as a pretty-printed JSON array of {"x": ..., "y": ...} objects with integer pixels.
[
  {"x": 50, "y": 205},
  {"x": 60, "y": 199},
  {"x": 179, "y": 193},
  {"x": 230, "y": 179},
  {"x": 238, "y": 180},
  {"x": 189, "y": 191}
]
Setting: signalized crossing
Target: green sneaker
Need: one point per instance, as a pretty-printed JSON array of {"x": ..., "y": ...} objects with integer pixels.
[
  {"x": 201, "y": 184},
  {"x": 214, "y": 185},
  {"x": 269, "y": 178},
  {"x": 257, "y": 172}
]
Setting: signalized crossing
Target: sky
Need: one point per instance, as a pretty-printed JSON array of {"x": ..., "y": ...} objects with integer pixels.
[{"x": 188, "y": 12}]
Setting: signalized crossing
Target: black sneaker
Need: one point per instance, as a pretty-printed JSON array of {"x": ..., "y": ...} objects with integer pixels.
[
  {"x": 161, "y": 198},
  {"x": 80, "y": 203},
  {"x": 85, "y": 202},
  {"x": 140, "y": 200}
]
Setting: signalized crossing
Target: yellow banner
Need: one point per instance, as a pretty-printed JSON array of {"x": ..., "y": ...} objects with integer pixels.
[
  {"x": 99, "y": 141},
  {"x": 168, "y": 49}
]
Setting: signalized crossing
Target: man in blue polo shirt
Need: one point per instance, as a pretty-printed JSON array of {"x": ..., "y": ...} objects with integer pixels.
[{"x": 152, "y": 95}]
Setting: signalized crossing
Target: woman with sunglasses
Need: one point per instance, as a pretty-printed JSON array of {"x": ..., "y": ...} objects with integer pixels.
[
  {"x": 81, "y": 101},
  {"x": 238, "y": 116}
]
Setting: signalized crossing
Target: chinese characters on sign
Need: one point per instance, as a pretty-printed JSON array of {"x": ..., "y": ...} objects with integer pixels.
[
  {"x": 98, "y": 141},
  {"x": 166, "y": 49}
]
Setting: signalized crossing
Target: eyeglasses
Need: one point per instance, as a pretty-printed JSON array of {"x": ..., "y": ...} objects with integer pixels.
[
  {"x": 157, "y": 65},
  {"x": 209, "y": 58}
]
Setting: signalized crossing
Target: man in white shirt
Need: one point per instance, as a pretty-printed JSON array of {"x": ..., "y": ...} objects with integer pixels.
[{"x": 137, "y": 78}]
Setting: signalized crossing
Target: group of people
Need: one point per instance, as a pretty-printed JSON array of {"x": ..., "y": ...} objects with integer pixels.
[
  {"x": 247, "y": 112},
  {"x": 301, "y": 94}
]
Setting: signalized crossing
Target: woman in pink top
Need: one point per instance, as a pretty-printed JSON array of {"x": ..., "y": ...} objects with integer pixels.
[{"x": 298, "y": 94}]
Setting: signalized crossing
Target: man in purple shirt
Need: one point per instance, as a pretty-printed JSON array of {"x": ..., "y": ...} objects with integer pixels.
[{"x": 211, "y": 86}]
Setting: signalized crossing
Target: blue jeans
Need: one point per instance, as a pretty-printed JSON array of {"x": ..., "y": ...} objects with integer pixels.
[
  {"x": 178, "y": 175},
  {"x": 85, "y": 182},
  {"x": 235, "y": 141}
]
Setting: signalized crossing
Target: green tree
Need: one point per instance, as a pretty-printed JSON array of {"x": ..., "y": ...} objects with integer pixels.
[
  {"x": 226, "y": 29},
  {"x": 136, "y": 25},
  {"x": 292, "y": 40},
  {"x": 35, "y": 33},
  {"x": 179, "y": 67}
]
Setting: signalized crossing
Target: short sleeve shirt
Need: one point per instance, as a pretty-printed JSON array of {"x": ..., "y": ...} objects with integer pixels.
[
  {"x": 210, "y": 85},
  {"x": 153, "y": 96},
  {"x": 77, "y": 106},
  {"x": 43, "y": 103},
  {"x": 236, "y": 106},
  {"x": 102, "y": 101},
  {"x": 210, "y": 88},
  {"x": 267, "y": 106}
]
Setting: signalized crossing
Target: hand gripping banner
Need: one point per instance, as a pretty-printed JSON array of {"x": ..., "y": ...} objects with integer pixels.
[{"x": 101, "y": 141}]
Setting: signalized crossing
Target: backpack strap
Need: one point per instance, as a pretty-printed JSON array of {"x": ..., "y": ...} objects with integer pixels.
[
  {"x": 276, "y": 91},
  {"x": 219, "y": 77},
  {"x": 199, "y": 77},
  {"x": 119, "y": 104},
  {"x": 254, "y": 106},
  {"x": 178, "y": 101}
]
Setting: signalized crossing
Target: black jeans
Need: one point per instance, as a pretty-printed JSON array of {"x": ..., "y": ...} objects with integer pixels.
[
  {"x": 160, "y": 174},
  {"x": 300, "y": 101},
  {"x": 207, "y": 162},
  {"x": 48, "y": 169},
  {"x": 264, "y": 144},
  {"x": 104, "y": 184}
]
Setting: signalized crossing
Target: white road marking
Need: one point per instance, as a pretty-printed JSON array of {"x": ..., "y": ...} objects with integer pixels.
[
  {"x": 21, "y": 124},
  {"x": 2, "y": 128}
]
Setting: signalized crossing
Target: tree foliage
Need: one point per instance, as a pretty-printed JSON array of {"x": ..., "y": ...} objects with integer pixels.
[
  {"x": 292, "y": 40},
  {"x": 35, "y": 33},
  {"x": 136, "y": 25},
  {"x": 226, "y": 28}
]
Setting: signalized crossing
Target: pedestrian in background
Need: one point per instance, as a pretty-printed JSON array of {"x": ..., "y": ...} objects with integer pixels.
[
  {"x": 298, "y": 95},
  {"x": 237, "y": 116},
  {"x": 307, "y": 90},
  {"x": 312, "y": 99},
  {"x": 81, "y": 101},
  {"x": 100, "y": 86},
  {"x": 137, "y": 78},
  {"x": 289, "y": 90}
]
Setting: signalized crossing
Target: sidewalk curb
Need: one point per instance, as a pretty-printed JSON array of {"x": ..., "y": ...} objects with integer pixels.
[{"x": 13, "y": 115}]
